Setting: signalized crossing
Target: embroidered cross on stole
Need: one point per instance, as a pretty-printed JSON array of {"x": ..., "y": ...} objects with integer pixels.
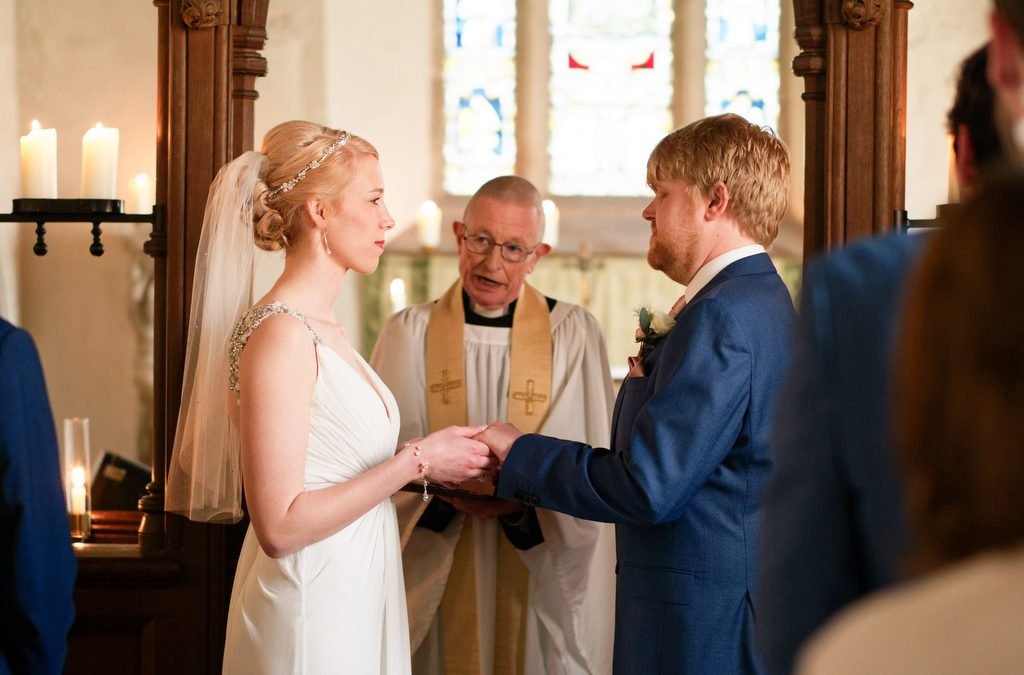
[{"x": 529, "y": 398}]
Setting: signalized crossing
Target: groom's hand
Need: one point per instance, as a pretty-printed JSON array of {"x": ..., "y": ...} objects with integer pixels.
[{"x": 499, "y": 437}]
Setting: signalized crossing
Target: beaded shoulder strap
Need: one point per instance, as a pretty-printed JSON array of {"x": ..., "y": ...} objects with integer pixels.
[{"x": 249, "y": 322}]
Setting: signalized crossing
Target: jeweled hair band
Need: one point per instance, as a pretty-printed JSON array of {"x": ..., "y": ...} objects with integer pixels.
[{"x": 330, "y": 150}]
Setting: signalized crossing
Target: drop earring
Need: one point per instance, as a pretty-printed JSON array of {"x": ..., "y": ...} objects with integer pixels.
[{"x": 323, "y": 237}]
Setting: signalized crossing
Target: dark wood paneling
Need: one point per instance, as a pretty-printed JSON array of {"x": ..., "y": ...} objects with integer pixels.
[
  {"x": 853, "y": 62},
  {"x": 160, "y": 606}
]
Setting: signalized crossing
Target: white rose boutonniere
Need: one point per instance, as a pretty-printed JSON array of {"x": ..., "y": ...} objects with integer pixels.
[{"x": 654, "y": 325}]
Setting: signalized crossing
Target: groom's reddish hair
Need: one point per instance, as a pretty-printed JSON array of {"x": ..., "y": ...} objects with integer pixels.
[{"x": 751, "y": 161}]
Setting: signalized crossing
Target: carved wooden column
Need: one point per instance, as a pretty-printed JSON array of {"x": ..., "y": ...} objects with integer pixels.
[
  {"x": 211, "y": 51},
  {"x": 854, "y": 62},
  {"x": 161, "y": 607},
  {"x": 210, "y": 59}
]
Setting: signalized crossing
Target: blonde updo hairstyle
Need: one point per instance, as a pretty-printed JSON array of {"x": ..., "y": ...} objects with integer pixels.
[{"x": 289, "y": 148}]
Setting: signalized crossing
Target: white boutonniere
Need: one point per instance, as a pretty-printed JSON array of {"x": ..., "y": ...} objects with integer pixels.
[{"x": 654, "y": 325}]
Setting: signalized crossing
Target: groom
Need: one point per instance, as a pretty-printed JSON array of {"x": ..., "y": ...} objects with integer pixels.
[{"x": 689, "y": 450}]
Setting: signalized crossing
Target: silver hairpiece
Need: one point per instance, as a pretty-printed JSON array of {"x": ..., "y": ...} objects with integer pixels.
[{"x": 289, "y": 184}]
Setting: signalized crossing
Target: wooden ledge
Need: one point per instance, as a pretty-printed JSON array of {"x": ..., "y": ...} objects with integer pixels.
[{"x": 123, "y": 565}]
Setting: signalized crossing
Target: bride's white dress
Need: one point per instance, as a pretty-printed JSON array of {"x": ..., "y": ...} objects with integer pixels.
[{"x": 336, "y": 606}]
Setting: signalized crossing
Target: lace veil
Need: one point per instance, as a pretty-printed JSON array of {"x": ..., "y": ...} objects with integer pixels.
[{"x": 204, "y": 479}]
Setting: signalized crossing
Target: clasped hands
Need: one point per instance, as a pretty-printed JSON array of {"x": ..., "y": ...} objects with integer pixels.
[
  {"x": 468, "y": 453},
  {"x": 498, "y": 437}
]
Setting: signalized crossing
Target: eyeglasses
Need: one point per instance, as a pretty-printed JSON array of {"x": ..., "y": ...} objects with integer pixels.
[{"x": 513, "y": 253}]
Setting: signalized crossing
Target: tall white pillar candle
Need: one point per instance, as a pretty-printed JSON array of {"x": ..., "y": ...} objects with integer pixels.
[
  {"x": 77, "y": 490},
  {"x": 428, "y": 224},
  {"x": 99, "y": 163},
  {"x": 397, "y": 291},
  {"x": 551, "y": 217},
  {"x": 39, "y": 163},
  {"x": 142, "y": 194}
]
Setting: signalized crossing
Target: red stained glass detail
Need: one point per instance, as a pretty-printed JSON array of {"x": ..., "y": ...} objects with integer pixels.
[
  {"x": 649, "y": 63},
  {"x": 573, "y": 63}
]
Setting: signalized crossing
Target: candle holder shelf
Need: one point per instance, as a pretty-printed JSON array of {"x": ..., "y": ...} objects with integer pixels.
[
  {"x": 95, "y": 211},
  {"x": 905, "y": 224}
]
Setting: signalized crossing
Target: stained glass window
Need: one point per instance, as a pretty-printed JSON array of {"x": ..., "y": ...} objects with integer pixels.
[
  {"x": 611, "y": 93},
  {"x": 479, "y": 92},
  {"x": 742, "y": 66}
]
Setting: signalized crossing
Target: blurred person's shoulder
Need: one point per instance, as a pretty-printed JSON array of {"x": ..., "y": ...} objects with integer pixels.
[{"x": 964, "y": 618}]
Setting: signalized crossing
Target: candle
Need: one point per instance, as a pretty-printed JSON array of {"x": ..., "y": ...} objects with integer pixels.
[
  {"x": 428, "y": 224},
  {"x": 550, "y": 223},
  {"x": 952, "y": 184},
  {"x": 39, "y": 163},
  {"x": 397, "y": 290},
  {"x": 142, "y": 194},
  {"x": 77, "y": 490},
  {"x": 99, "y": 163}
]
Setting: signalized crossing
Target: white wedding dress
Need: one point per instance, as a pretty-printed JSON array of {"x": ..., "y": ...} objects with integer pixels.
[{"x": 338, "y": 605}]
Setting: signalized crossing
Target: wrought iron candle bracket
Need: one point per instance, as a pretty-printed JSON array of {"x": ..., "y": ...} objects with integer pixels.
[
  {"x": 942, "y": 212},
  {"x": 95, "y": 211}
]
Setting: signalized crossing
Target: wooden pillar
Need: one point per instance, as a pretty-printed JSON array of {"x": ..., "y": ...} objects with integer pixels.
[
  {"x": 854, "y": 61},
  {"x": 161, "y": 607},
  {"x": 213, "y": 59}
]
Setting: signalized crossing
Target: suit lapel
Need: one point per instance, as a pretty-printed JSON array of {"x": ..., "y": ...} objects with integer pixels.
[{"x": 759, "y": 263}]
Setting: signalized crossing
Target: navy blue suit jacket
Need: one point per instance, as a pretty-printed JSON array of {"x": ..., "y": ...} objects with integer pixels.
[
  {"x": 833, "y": 524},
  {"x": 683, "y": 478},
  {"x": 37, "y": 564}
]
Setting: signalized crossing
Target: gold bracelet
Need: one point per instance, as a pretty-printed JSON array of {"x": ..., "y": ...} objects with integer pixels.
[{"x": 423, "y": 473}]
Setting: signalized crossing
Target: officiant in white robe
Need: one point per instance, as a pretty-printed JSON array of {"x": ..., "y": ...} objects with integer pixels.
[{"x": 528, "y": 591}]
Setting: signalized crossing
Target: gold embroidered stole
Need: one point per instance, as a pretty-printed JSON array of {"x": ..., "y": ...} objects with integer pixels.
[{"x": 529, "y": 397}]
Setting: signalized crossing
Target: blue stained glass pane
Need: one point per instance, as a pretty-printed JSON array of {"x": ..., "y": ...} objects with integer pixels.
[
  {"x": 479, "y": 92},
  {"x": 611, "y": 93},
  {"x": 742, "y": 67}
]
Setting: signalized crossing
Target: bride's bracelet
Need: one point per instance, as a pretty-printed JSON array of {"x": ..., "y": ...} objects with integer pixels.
[{"x": 423, "y": 472}]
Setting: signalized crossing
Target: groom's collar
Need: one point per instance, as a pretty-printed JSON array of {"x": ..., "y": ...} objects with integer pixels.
[{"x": 712, "y": 267}]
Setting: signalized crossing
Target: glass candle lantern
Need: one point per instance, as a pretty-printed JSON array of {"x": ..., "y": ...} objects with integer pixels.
[{"x": 77, "y": 476}]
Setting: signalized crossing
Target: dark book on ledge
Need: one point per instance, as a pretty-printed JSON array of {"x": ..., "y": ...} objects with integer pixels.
[
  {"x": 481, "y": 490},
  {"x": 119, "y": 483}
]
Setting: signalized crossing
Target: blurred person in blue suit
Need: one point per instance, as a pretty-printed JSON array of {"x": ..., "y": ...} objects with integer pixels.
[
  {"x": 958, "y": 392},
  {"x": 833, "y": 526},
  {"x": 689, "y": 451},
  {"x": 37, "y": 563}
]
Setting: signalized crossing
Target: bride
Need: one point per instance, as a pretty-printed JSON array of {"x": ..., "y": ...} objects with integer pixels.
[{"x": 276, "y": 398}]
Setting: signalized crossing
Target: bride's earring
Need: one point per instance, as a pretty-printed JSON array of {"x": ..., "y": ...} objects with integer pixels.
[{"x": 323, "y": 237}]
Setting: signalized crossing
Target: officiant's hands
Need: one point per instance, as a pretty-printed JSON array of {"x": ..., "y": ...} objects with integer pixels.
[{"x": 499, "y": 437}]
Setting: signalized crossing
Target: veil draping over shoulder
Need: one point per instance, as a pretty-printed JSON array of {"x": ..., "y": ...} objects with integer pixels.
[{"x": 204, "y": 479}]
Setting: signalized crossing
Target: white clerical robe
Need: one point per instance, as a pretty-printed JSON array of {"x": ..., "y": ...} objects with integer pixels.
[{"x": 571, "y": 596}]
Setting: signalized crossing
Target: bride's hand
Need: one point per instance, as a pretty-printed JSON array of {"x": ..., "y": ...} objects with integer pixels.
[{"x": 451, "y": 455}]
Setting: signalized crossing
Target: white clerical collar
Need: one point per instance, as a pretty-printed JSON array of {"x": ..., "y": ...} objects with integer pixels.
[
  {"x": 488, "y": 313},
  {"x": 712, "y": 267}
]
